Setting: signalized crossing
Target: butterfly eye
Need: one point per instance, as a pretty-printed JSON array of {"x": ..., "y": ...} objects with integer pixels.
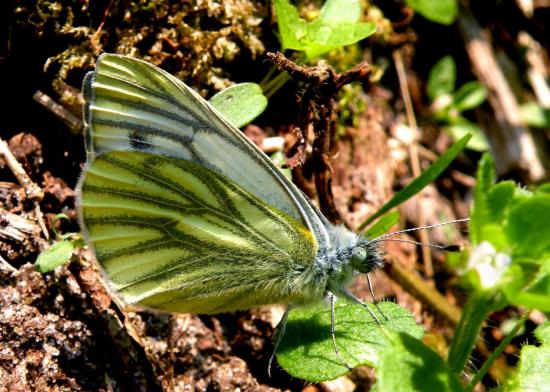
[{"x": 358, "y": 256}]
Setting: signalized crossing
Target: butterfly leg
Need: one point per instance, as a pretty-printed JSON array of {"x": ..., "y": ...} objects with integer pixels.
[
  {"x": 374, "y": 301},
  {"x": 279, "y": 332},
  {"x": 352, "y": 297},
  {"x": 333, "y": 331}
]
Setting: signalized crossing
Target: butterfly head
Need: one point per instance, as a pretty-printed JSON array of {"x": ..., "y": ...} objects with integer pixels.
[
  {"x": 366, "y": 256},
  {"x": 352, "y": 253}
]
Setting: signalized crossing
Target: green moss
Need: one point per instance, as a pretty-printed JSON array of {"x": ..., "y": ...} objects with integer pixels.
[{"x": 188, "y": 38}]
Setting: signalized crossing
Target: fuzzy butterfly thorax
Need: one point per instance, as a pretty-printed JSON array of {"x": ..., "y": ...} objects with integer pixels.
[{"x": 347, "y": 255}]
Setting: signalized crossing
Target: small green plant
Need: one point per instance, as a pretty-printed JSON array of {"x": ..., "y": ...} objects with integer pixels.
[
  {"x": 509, "y": 264},
  {"x": 60, "y": 252},
  {"x": 511, "y": 238},
  {"x": 448, "y": 105}
]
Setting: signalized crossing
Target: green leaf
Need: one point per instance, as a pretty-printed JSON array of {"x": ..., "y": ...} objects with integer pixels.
[
  {"x": 56, "y": 255},
  {"x": 439, "y": 11},
  {"x": 383, "y": 224},
  {"x": 336, "y": 27},
  {"x": 341, "y": 11},
  {"x": 543, "y": 334},
  {"x": 535, "y": 115},
  {"x": 528, "y": 288},
  {"x": 426, "y": 178},
  {"x": 469, "y": 96},
  {"x": 478, "y": 142},
  {"x": 442, "y": 78},
  {"x": 528, "y": 226},
  {"x": 291, "y": 27},
  {"x": 323, "y": 36},
  {"x": 306, "y": 350},
  {"x": 498, "y": 200},
  {"x": 534, "y": 362},
  {"x": 479, "y": 216},
  {"x": 240, "y": 104},
  {"x": 409, "y": 365},
  {"x": 494, "y": 233}
]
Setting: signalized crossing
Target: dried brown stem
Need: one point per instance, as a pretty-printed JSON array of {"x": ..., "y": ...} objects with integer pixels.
[
  {"x": 317, "y": 74},
  {"x": 33, "y": 191},
  {"x": 536, "y": 72},
  {"x": 16, "y": 228},
  {"x": 317, "y": 110},
  {"x": 414, "y": 157},
  {"x": 70, "y": 120},
  {"x": 512, "y": 144}
]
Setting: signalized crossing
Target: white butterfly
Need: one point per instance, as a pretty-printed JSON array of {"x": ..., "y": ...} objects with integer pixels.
[{"x": 186, "y": 214}]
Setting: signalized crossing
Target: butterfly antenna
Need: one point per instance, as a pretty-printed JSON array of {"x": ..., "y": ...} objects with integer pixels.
[
  {"x": 447, "y": 248},
  {"x": 382, "y": 237}
]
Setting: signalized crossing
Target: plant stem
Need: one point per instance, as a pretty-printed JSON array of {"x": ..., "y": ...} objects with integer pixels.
[
  {"x": 489, "y": 362},
  {"x": 267, "y": 77},
  {"x": 475, "y": 311},
  {"x": 272, "y": 86}
]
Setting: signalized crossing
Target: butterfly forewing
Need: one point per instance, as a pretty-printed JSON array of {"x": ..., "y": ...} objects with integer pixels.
[
  {"x": 134, "y": 106},
  {"x": 174, "y": 235}
]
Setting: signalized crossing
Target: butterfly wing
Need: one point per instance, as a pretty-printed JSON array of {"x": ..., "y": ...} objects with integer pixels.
[
  {"x": 133, "y": 106},
  {"x": 174, "y": 235},
  {"x": 183, "y": 211}
]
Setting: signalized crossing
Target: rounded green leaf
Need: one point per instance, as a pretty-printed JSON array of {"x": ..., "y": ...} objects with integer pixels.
[
  {"x": 442, "y": 78},
  {"x": 439, "y": 11},
  {"x": 499, "y": 199},
  {"x": 56, "y": 255},
  {"x": 469, "y": 96},
  {"x": 478, "y": 142},
  {"x": 240, "y": 104},
  {"x": 306, "y": 350}
]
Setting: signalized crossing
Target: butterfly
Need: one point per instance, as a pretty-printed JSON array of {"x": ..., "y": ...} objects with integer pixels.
[{"x": 186, "y": 214}]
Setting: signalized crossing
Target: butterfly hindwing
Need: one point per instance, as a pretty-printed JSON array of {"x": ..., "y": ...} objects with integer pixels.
[
  {"x": 174, "y": 235},
  {"x": 134, "y": 106}
]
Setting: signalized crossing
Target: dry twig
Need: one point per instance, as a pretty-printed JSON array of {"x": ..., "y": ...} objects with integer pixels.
[
  {"x": 512, "y": 144},
  {"x": 33, "y": 191},
  {"x": 318, "y": 111},
  {"x": 70, "y": 120},
  {"x": 414, "y": 157}
]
